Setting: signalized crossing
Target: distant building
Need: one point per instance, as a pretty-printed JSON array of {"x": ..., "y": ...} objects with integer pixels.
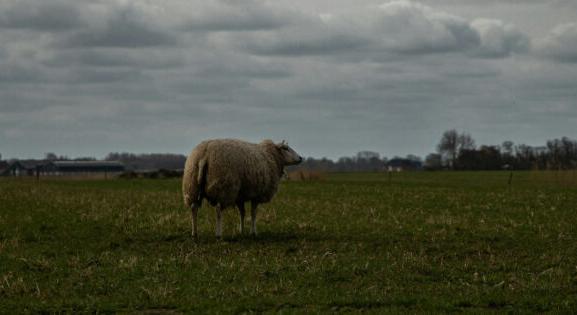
[
  {"x": 83, "y": 167},
  {"x": 399, "y": 164},
  {"x": 62, "y": 168},
  {"x": 23, "y": 168}
]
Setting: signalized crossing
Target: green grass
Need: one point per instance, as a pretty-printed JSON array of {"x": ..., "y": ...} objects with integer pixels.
[{"x": 408, "y": 243}]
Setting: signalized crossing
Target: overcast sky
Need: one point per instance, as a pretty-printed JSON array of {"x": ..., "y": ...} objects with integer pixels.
[{"x": 332, "y": 77}]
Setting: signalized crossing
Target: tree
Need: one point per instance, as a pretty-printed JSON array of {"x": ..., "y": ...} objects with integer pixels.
[
  {"x": 447, "y": 147},
  {"x": 367, "y": 155},
  {"x": 452, "y": 144},
  {"x": 465, "y": 142},
  {"x": 507, "y": 147},
  {"x": 369, "y": 161},
  {"x": 50, "y": 156},
  {"x": 507, "y": 154},
  {"x": 524, "y": 156},
  {"x": 562, "y": 153}
]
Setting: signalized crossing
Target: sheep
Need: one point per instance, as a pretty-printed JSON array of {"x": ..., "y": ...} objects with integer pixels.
[{"x": 230, "y": 172}]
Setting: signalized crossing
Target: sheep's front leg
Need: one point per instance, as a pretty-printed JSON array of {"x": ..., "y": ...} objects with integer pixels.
[
  {"x": 242, "y": 213},
  {"x": 194, "y": 211},
  {"x": 219, "y": 221},
  {"x": 253, "y": 218}
]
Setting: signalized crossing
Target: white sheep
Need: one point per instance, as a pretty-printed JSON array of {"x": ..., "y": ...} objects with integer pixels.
[{"x": 229, "y": 172}]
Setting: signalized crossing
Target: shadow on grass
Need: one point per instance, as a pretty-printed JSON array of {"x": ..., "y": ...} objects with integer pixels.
[
  {"x": 270, "y": 237},
  {"x": 277, "y": 237},
  {"x": 185, "y": 237}
]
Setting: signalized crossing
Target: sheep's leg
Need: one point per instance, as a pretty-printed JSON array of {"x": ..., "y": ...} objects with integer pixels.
[
  {"x": 219, "y": 221},
  {"x": 242, "y": 212},
  {"x": 253, "y": 218},
  {"x": 194, "y": 211}
]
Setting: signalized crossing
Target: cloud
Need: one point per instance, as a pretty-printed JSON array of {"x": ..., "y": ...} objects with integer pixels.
[
  {"x": 499, "y": 39},
  {"x": 150, "y": 75},
  {"x": 235, "y": 16},
  {"x": 39, "y": 15},
  {"x": 150, "y": 58},
  {"x": 560, "y": 44},
  {"x": 124, "y": 25},
  {"x": 395, "y": 28},
  {"x": 415, "y": 28},
  {"x": 295, "y": 42},
  {"x": 20, "y": 73}
]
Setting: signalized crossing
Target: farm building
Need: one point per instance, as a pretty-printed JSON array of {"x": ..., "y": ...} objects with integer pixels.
[
  {"x": 22, "y": 168},
  {"x": 62, "y": 168},
  {"x": 399, "y": 164},
  {"x": 80, "y": 167}
]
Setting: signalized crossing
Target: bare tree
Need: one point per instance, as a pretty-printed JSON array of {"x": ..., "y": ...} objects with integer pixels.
[
  {"x": 465, "y": 142},
  {"x": 50, "y": 156},
  {"x": 447, "y": 147},
  {"x": 507, "y": 147},
  {"x": 452, "y": 144}
]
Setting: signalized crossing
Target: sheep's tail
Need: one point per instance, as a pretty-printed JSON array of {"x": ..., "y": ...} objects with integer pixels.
[{"x": 194, "y": 182}]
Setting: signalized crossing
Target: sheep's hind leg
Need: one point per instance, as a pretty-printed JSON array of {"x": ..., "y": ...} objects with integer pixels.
[
  {"x": 219, "y": 221},
  {"x": 194, "y": 211},
  {"x": 242, "y": 213},
  {"x": 253, "y": 218}
]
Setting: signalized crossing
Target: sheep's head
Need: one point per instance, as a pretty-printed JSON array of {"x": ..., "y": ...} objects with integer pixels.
[{"x": 290, "y": 157}]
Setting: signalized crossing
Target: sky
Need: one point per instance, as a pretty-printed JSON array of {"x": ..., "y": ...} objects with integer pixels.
[{"x": 332, "y": 77}]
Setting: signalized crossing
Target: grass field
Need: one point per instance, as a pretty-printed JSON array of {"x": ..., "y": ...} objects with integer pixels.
[{"x": 412, "y": 243}]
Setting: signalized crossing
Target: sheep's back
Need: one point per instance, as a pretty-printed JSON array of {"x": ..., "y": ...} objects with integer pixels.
[{"x": 239, "y": 171}]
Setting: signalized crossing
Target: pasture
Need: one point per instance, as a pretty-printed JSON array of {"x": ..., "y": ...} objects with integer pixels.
[{"x": 413, "y": 242}]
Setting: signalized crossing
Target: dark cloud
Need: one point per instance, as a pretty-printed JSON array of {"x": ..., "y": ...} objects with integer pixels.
[
  {"x": 124, "y": 29},
  {"x": 247, "y": 71},
  {"x": 40, "y": 15},
  {"x": 160, "y": 76},
  {"x": 237, "y": 16},
  {"x": 21, "y": 73},
  {"x": 151, "y": 58},
  {"x": 107, "y": 76},
  {"x": 397, "y": 27},
  {"x": 302, "y": 44}
]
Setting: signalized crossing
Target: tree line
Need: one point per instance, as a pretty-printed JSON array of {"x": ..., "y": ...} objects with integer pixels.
[
  {"x": 455, "y": 151},
  {"x": 363, "y": 161},
  {"x": 458, "y": 151}
]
